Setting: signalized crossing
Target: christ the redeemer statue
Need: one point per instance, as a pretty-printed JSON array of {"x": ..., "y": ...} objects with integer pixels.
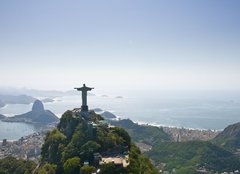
[{"x": 84, "y": 90}]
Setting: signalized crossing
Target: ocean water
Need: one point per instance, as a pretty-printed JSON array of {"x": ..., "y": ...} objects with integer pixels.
[
  {"x": 189, "y": 109},
  {"x": 14, "y": 131}
]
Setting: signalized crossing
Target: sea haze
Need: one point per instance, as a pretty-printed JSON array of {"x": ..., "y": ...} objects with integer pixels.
[{"x": 190, "y": 109}]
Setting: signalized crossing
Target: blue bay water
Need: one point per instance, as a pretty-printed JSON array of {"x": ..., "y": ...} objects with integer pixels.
[
  {"x": 190, "y": 109},
  {"x": 13, "y": 131}
]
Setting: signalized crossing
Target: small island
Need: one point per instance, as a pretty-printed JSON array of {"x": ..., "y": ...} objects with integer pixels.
[
  {"x": 108, "y": 115},
  {"x": 12, "y": 99}
]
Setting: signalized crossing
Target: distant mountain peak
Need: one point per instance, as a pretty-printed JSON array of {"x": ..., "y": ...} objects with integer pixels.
[{"x": 37, "y": 106}]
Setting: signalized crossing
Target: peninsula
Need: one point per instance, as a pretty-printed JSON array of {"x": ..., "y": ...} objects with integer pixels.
[{"x": 37, "y": 115}]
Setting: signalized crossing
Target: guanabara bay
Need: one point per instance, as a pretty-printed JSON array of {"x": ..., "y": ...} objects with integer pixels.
[
  {"x": 83, "y": 142},
  {"x": 120, "y": 87}
]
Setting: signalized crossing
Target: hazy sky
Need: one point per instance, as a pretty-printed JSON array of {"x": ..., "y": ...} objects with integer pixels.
[{"x": 150, "y": 44}]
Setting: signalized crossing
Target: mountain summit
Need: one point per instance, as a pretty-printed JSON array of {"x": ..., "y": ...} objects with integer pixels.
[
  {"x": 84, "y": 142},
  {"x": 37, "y": 106}
]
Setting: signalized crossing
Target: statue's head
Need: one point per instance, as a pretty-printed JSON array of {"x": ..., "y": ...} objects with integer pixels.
[{"x": 84, "y": 85}]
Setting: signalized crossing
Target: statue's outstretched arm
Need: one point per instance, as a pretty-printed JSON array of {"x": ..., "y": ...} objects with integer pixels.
[{"x": 89, "y": 89}]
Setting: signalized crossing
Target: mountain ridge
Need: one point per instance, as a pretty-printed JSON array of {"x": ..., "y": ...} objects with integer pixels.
[{"x": 229, "y": 138}]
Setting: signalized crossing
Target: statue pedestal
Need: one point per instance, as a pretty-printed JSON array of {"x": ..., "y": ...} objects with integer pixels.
[{"x": 84, "y": 108}]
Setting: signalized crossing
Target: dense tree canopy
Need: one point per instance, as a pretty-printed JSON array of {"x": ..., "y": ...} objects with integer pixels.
[
  {"x": 188, "y": 156},
  {"x": 11, "y": 165},
  {"x": 72, "y": 166},
  {"x": 78, "y": 138}
]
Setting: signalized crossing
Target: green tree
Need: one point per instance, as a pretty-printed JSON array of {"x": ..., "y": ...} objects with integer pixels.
[
  {"x": 122, "y": 133},
  {"x": 47, "y": 169},
  {"x": 87, "y": 169},
  {"x": 69, "y": 151},
  {"x": 108, "y": 168},
  {"x": 72, "y": 166},
  {"x": 139, "y": 163},
  {"x": 88, "y": 149},
  {"x": 79, "y": 136},
  {"x": 53, "y": 146},
  {"x": 12, "y": 165}
]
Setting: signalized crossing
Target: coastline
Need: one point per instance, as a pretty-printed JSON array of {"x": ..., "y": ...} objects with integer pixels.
[
  {"x": 181, "y": 134},
  {"x": 185, "y": 133},
  {"x": 176, "y": 127}
]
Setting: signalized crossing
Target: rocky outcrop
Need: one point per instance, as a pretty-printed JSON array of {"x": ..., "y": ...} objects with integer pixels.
[{"x": 37, "y": 106}]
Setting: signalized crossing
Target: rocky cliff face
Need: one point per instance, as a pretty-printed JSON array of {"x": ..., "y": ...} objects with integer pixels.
[{"x": 37, "y": 106}]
